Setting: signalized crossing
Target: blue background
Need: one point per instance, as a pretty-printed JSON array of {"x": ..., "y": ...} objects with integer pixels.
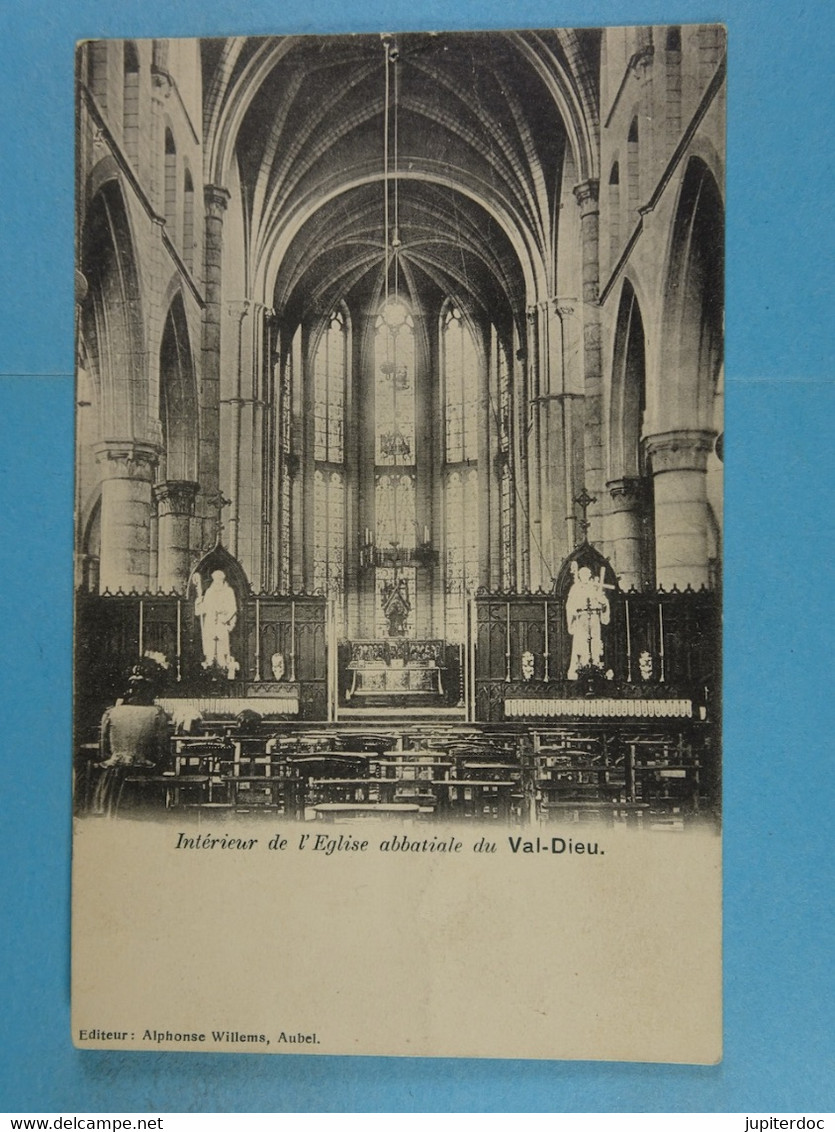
[{"x": 778, "y": 859}]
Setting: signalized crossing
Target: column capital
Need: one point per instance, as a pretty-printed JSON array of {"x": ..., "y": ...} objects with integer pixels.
[
  {"x": 127, "y": 459},
  {"x": 564, "y": 305},
  {"x": 216, "y": 199},
  {"x": 680, "y": 451},
  {"x": 261, "y": 308},
  {"x": 238, "y": 308},
  {"x": 588, "y": 195},
  {"x": 175, "y": 497},
  {"x": 161, "y": 81},
  {"x": 629, "y": 489},
  {"x": 641, "y": 61}
]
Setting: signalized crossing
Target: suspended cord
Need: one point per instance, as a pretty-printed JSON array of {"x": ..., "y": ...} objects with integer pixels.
[
  {"x": 386, "y": 173},
  {"x": 396, "y": 244}
]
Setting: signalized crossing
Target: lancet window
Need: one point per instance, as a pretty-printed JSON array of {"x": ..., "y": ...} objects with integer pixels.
[
  {"x": 329, "y": 383},
  {"x": 460, "y": 392}
]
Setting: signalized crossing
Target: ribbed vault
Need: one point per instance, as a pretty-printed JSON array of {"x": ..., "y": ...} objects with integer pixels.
[{"x": 483, "y": 124}]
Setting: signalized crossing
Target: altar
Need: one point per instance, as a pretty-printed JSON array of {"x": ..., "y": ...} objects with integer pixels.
[{"x": 396, "y": 667}]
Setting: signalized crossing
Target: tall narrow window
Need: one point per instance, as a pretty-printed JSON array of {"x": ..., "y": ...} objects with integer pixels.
[
  {"x": 395, "y": 460},
  {"x": 394, "y": 387},
  {"x": 329, "y": 375},
  {"x": 188, "y": 221},
  {"x": 328, "y": 531},
  {"x": 673, "y": 75},
  {"x": 170, "y": 185},
  {"x": 329, "y": 392},
  {"x": 459, "y": 361},
  {"x": 460, "y": 389},
  {"x": 130, "y": 101},
  {"x": 461, "y": 557},
  {"x": 633, "y": 187},
  {"x": 614, "y": 215}
]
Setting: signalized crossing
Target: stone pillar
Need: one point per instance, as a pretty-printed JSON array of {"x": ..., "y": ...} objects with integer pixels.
[
  {"x": 127, "y": 471},
  {"x": 175, "y": 506},
  {"x": 564, "y": 425},
  {"x": 534, "y": 534},
  {"x": 679, "y": 463},
  {"x": 587, "y": 194},
  {"x": 216, "y": 199},
  {"x": 522, "y": 538},
  {"x": 237, "y": 447},
  {"x": 624, "y": 530}
]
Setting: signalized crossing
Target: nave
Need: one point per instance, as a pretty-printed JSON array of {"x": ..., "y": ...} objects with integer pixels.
[{"x": 400, "y": 396}]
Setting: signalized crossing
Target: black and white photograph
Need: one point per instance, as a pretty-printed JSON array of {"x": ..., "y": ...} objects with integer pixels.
[{"x": 399, "y": 441}]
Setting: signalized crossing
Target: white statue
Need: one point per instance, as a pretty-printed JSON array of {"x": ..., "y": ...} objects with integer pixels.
[
  {"x": 586, "y": 611},
  {"x": 218, "y": 613}
]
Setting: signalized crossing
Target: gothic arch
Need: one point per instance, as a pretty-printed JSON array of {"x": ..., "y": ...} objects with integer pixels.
[
  {"x": 628, "y": 395},
  {"x": 692, "y": 325},
  {"x": 111, "y": 316},
  {"x": 178, "y": 408},
  {"x": 631, "y": 526}
]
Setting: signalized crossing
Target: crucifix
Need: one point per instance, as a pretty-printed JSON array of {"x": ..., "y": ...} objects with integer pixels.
[
  {"x": 584, "y": 501},
  {"x": 218, "y": 500}
]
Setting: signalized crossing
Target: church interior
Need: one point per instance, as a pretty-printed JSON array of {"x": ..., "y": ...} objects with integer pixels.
[{"x": 399, "y": 424}]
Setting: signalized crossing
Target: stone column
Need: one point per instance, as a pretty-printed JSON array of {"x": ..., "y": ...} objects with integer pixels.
[
  {"x": 175, "y": 506},
  {"x": 127, "y": 471},
  {"x": 534, "y": 534},
  {"x": 679, "y": 463},
  {"x": 587, "y": 194},
  {"x": 216, "y": 199},
  {"x": 624, "y": 530},
  {"x": 564, "y": 425},
  {"x": 236, "y": 456}
]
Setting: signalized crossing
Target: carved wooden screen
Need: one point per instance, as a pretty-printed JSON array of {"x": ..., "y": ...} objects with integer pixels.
[{"x": 657, "y": 643}]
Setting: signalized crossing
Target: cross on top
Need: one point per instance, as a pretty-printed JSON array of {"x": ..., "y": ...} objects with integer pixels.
[
  {"x": 218, "y": 500},
  {"x": 584, "y": 501}
]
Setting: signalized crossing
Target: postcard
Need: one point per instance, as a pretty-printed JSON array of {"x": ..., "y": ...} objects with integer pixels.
[{"x": 399, "y": 543}]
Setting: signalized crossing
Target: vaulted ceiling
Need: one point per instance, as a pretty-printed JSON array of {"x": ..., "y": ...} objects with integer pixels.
[{"x": 481, "y": 124}]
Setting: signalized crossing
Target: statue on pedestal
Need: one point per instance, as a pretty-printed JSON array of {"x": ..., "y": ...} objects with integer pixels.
[
  {"x": 587, "y": 611},
  {"x": 218, "y": 613}
]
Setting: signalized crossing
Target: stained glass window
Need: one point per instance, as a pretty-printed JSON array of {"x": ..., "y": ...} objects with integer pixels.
[
  {"x": 329, "y": 380},
  {"x": 328, "y": 531},
  {"x": 460, "y": 366},
  {"x": 460, "y": 392},
  {"x": 394, "y": 388},
  {"x": 461, "y": 543},
  {"x": 329, "y": 392},
  {"x": 395, "y": 511}
]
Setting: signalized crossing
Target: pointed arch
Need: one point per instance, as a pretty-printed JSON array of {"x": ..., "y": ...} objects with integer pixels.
[
  {"x": 178, "y": 408},
  {"x": 693, "y": 331},
  {"x": 629, "y": 388},
  {"x": 111, "y": 316}
]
